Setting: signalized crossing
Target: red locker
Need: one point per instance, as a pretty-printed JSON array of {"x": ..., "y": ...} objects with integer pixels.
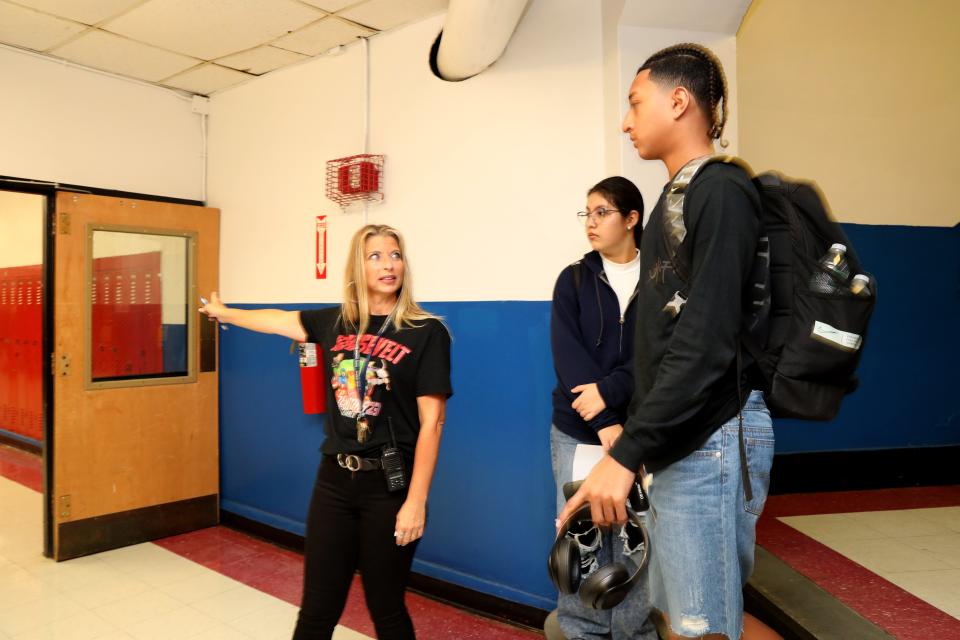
[
  {"x": 21, "y": 363},
  {"x": 127, "y": 316}
]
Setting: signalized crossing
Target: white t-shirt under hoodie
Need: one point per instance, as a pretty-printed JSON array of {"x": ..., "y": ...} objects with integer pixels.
[{"x": 623, "y": 278}]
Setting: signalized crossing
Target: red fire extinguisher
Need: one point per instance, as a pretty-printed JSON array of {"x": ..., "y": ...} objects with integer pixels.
[{"x": 311, "y": 379}]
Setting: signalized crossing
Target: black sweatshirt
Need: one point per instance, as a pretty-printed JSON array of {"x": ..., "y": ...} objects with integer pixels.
[{"x": 685, "y": 366}]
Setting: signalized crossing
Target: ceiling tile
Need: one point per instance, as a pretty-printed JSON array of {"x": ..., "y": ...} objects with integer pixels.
[
  {"x": 332, "y": 5},
  {"x": 86, "y": 11},
  {"x": 30, "y": 29},
  {"x": 206, "y": 79},
  {"x": 109, "y": 52},
  {"x": 261, "y": 60},
  {"x": 211, "y": 29},
  {"x": 386, "y": 14},
  {"x": 320, "y": 36}
]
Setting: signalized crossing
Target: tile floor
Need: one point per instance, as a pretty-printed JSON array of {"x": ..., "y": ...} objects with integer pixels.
[
  {"x": 892, "y": 555},
  {"x": 916, "y": 549},
  {"x": 210, "y": 584},
  {"x": 143, "y": 592}
]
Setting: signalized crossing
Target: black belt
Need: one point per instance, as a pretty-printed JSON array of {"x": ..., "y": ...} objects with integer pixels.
[{"x": 356, "y": 463}]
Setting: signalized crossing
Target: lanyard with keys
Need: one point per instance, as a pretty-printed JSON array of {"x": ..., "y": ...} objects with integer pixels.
[{"x": 360, "y": 375}]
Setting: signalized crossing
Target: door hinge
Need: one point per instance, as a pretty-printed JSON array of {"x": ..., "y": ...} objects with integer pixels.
[
  {"x": 64, "y": 506},
  {"x": 64, "y": 223},
  {"x": 64, "y": 365}
]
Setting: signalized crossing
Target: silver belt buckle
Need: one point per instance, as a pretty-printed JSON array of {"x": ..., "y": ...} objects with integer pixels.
[{"x": 348, "y": 461}]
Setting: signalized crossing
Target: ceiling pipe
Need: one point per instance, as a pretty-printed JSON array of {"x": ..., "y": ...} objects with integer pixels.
[{"x": 475, "y": 34}]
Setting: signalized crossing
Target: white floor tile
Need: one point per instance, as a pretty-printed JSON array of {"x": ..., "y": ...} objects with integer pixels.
[
  {"x": 37, "y": 613},
  {"x": 184, "y": 622},
  {"x": 103, "y": 593},
  {"x": 73, "y": 574},
  {"x": 832, "y": 527},
  {"x": 274, "y": 620},
  {"x": 138, "y": 607},
  {"x": 945, "y": 547},
  {"x": 84, "y": 626},
  {"x": 887, "y": 555},
  {"x": 222, "y": 632},
  {"x": 169, "y": 571},
  {"x": 132, "y": 559},
  {"x": 948, "y": 517},
  {"x": 200, "y": 586},
  {"x": 235, "y": 603},
  {"x": 899, "y": 524},
  {"x": 21, "y": 589}
]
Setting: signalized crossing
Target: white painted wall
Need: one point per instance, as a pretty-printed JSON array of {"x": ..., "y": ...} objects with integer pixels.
[
  {"x": 636, "y": 45},
  {"x": 483, "y": 177},
  {"x": 61, "y": 123},
  {"x": 21, "y": 229}
]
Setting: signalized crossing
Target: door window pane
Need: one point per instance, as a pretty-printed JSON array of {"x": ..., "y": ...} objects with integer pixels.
[{"x": 139, "y": 305}]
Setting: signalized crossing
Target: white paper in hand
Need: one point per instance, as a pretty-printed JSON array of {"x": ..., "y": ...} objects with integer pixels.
[{"x": 584, "y": 458}]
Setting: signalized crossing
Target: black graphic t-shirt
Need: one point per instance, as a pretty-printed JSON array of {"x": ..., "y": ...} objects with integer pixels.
[{"x": 402, "y": 365}]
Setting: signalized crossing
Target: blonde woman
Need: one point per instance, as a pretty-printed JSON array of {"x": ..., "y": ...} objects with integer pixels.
[{"x": 388, "y": 363}]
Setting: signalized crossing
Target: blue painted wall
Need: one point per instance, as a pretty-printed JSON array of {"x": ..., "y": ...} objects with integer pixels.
[{"x": 491, "y": 508}]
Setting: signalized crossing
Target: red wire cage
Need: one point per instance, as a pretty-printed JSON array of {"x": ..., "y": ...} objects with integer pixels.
[{"x": 355, "y": 179}]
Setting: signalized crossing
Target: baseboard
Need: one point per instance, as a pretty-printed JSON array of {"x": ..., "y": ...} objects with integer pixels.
[
  {"x": 111, "y": 531},
  {"x": 20, "y": 442},
  {"x": 477, "y": 602},
  {"x": 273, "y": 535},
  {"x": 863, "y": 470}
]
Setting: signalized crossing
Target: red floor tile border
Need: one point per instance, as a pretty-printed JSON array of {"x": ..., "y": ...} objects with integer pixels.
[
  {"x": 21, "y": 467},
  {"x": 805, "y": 504},
  {"x": 279, "y": 572},
  {"x": 885, "y": 604}
]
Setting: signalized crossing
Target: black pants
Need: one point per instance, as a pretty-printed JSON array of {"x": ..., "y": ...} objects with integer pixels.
[{"x": 350, "y": 526}]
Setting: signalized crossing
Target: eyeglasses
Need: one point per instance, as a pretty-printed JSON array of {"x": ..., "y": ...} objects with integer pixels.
[{"x": 596, "y": 215}]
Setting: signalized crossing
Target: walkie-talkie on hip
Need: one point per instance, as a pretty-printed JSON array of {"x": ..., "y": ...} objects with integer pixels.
[{"x": 392, "y": 462}]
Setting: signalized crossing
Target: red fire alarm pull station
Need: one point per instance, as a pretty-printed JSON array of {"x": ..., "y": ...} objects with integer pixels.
[
  {"x": 355, "y": 178},
  {"x": 321, "y": 247}
]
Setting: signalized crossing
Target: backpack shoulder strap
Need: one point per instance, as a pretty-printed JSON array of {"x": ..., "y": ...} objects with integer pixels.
[
  {"x": 674, "y": 226},
  {"x": 577, "y": 274}
]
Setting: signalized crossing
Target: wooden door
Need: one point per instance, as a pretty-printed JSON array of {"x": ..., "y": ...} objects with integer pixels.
[{"x": 134, "y": 445}]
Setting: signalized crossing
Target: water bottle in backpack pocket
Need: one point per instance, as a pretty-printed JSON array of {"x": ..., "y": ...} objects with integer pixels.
[{"x": 833, "y": 271}]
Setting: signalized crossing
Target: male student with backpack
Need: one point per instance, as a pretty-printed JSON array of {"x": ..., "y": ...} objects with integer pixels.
[{"x": 693, "y": 415}]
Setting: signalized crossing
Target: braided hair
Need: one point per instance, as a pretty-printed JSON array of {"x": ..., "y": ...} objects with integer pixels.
[{"x": 698, "y": 70}]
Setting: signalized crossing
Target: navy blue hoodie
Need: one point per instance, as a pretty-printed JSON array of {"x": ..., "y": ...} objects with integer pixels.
[{"x": 590, "y": 343}]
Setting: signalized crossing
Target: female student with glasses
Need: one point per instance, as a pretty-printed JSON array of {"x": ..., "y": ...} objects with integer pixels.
[{"x": 592, "y": 320}]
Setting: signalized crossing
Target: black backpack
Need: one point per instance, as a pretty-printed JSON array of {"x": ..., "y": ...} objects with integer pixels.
[{"x": 806, "y": 344}]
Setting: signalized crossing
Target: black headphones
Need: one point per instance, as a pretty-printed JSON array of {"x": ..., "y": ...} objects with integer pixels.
[{"x": 610, "y": 584}]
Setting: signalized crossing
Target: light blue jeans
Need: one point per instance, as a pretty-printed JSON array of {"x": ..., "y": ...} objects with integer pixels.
[
  {"x": 703, "y": 530},
  {"x": 630, "y": 620}
]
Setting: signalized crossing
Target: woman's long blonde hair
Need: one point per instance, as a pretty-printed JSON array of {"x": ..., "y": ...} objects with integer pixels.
[{"x": 355, "y": 310}]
